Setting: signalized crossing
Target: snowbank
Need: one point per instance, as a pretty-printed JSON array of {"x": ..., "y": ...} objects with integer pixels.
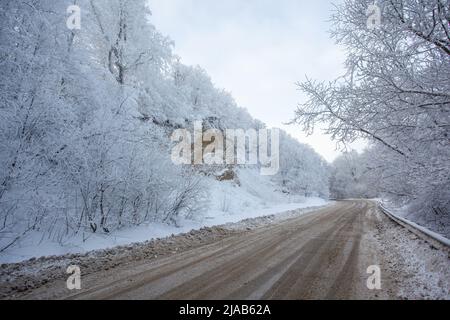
[
  {"x": 436, "y": 227},
  {"x": 254, "y": 196}
]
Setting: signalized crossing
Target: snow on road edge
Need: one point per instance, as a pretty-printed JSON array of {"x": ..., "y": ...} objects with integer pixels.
[
  {"x": 241, "y": 204},
  {"x": 16, "y": 279},
  {"x": 420, "y": 270}
]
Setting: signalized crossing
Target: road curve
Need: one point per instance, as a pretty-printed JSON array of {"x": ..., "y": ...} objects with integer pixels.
[{"x": 320, "y": 255}]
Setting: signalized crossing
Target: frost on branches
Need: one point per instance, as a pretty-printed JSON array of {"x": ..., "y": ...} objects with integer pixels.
[
  {"x": 86, "y": 119},
  {"x": 396, "y": 94}
]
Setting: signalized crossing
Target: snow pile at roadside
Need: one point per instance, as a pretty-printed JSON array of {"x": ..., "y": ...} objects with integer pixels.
[
  {"x": 230, "y": 202},
  {"x": 255, "y": 196},
  {"x": 421, "y": 271},
  {"x": 17, "y": 279},
  {"x": 437, "y": 224}
]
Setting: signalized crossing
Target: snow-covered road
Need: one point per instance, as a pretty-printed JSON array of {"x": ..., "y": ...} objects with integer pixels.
[{"x": 320, "y": 255}]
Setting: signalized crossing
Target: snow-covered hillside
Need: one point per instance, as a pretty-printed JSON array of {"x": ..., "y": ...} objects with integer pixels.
[{"x": 87, "y": 117}]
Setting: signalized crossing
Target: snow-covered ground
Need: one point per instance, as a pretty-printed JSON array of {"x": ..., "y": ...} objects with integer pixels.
[
  {"x": 254, "y": 196},
  {"x": 437, "y": 224},
  {"x": 420, "y": 270}
]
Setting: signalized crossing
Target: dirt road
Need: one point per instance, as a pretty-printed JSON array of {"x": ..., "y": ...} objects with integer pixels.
[{"x": 320, "y": 255}]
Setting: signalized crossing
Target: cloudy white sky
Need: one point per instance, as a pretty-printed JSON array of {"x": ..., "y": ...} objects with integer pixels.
[{"x": 257, "y": 50}]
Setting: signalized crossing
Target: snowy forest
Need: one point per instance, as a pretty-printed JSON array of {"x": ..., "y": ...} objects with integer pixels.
[
  {"x": 87, "y": 116},
  {"x": 86, "y": 120},
  {"x": 395, "y": 94}
]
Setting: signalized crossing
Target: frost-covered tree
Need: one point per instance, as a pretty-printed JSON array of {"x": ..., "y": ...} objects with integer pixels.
[
  {"x": 351, "y": 177},
  {"x": 302, "y": 170},
  {"x": 86, "y": 118},
  {"x": 395, "y": 93},
  {"x": 76, "y": 154},
  {"x": 37, "y": 123}
]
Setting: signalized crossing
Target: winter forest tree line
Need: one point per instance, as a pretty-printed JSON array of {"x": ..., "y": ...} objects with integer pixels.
[
  {"x": 86, "y": 119},
  {"x": 395, "y": 94}
]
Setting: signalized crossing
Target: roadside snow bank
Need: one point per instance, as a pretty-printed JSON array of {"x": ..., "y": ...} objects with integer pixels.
[
  {"x": 435, "y": 227},
  {"x": 16, "y": 279},
  {"x": 420, "y": 270},
  {"x": 255, "y": 197}
]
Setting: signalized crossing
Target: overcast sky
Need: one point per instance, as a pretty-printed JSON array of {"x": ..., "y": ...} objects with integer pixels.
[{"x": 257, "y": 50}]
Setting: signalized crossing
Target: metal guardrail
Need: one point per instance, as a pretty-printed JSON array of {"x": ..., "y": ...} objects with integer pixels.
[{"x": 433, "y": 235}]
